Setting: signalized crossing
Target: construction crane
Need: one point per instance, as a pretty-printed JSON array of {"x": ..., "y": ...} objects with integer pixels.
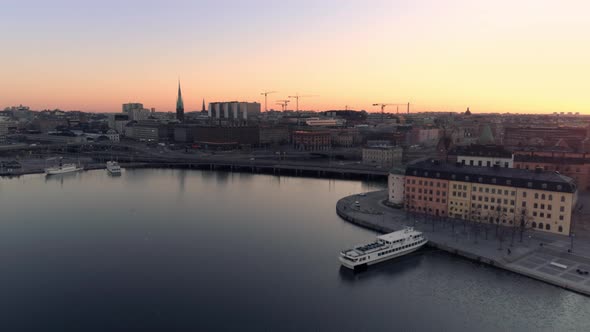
[
  {"x": 390, "y": 104},
  {"x": 283, "y": 103},
  {"x": 297, "y": 96},
  {"x": 265, "y": 94}
]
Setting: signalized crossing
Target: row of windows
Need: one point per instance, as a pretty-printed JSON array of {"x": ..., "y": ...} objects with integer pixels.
[
  {"x": 488, "y": 190},
  {"x": 543, "y": 196},
  {"x": 400, "y": 248},
  {"x": 547, "y": 226},
  {"x": 488, "y": 163},
  {"x": 426, "y": 191},
  {"x": 492, "y": 208},
  {"x": 430, "y": 199},
  {"x": 492, "y": 200},
  {"x": 542, "y": 206}
]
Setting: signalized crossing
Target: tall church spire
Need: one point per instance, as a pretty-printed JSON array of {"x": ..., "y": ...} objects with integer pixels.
[
  {"x": 203, "y": 110},
  {"x": 179, "y": 105}
]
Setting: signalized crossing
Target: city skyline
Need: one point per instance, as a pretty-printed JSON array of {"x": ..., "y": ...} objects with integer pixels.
[{"x": 501, "y": 57}]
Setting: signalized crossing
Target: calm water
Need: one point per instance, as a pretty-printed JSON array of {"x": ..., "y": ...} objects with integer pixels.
[{"x": 165, "y": 250}]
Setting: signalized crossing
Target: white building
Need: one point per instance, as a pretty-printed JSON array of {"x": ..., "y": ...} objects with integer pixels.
[
  {"x": 113, "y": 136},
  {"x": 485, "y": 156},
  {"x": 234, "y": 111},
  {"x": 396, "y": 186}
]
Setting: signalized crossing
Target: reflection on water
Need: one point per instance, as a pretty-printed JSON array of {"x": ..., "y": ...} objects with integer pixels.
[
  {"x": 163, "y": 249},
  {"x": 394, "y": 268}
]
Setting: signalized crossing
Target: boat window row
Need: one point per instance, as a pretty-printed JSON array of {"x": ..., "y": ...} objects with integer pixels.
[{"x": 398, "y": 249}]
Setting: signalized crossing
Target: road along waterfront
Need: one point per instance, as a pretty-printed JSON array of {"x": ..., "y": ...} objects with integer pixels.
[{"x": 540, "y": 256}]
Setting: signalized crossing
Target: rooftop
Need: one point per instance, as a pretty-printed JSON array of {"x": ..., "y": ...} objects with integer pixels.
[
  {"x": 497, "y": 151},
  {"x": 541, "y": 180}
]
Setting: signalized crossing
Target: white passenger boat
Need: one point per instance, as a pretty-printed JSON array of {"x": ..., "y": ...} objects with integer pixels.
[
  {"x": 113, "y": 168},
  {"x": 62, "y": 169},
  {"x": 386, "y": 247}
]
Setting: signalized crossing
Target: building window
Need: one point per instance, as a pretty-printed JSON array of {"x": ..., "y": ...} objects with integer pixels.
[
  {"x": 524, "y": 194},
  {"x": 536, "y": 206},
  {"x": 529, "y": 184},
  {"x": 561, "y": 218},
  {"x": 563, "y": 198},
  {"x": 523, "y": 204},
  {"x": 540, "y": 225},
  {"x": 560, "y": 229},
  {"x": 548, "y": 227},
  {"x": 549, "y": 207},
  {"x": 536, "y": 196},
  {"x": 548, "y": 215},
  {"x": 480, "y": 180},
  {"x": 544, "y": 186},
  {"x": 550, "y": 197},
  {"x": 542, "y": 196}
]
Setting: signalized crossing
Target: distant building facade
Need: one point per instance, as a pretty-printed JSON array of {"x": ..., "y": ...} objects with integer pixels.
[
  {"x": 312, "y": 140},
  {"x": 383, "y": 156},
  {"x": 571, "y": 164},
  {"x": 234, "y": 111}
]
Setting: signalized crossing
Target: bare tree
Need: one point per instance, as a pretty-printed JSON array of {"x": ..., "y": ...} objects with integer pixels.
[{"x": 522, "y": 221}]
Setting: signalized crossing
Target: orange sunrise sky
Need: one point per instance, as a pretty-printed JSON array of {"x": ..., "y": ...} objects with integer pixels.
[{"x": 493, "y": 56}]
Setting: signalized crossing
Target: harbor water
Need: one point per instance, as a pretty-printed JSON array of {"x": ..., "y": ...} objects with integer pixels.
[{"x": 183, "y": 250}]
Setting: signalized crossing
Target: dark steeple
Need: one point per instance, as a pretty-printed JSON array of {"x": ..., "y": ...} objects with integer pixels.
[
  {"x": 203, "y": 110},
  {"x": 179, "y": 105}
]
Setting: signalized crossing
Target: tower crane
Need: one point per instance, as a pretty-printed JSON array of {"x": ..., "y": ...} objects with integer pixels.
[
  {"x": 297, "y": 96},
  {"x": 390, "y": 104},
  {"x": 283, "y": 103},
  {"x": 265, "y": 94}
]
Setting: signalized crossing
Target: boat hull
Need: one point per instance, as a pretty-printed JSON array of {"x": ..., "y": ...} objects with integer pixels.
[
  {"x": 59, "y": 172},
  {"x": 364, "y": 265}
]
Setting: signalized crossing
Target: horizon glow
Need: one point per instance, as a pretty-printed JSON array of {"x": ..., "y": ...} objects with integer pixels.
[{"x": 501, "y": 56}]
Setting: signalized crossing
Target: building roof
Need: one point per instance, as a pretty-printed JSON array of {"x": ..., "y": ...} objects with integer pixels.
[
  {"x": 550, "y": 160},
  {"x": 477, "y": 150},
  {"x": 540, "y": 180}
]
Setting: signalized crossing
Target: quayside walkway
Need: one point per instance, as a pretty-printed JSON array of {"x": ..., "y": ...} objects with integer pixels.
[{"x": 542, "y": 256}]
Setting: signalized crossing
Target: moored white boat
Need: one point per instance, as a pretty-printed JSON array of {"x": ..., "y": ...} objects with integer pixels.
[
  {"x": 386, "y": 247},
  {"x": 62, "y": 169},
  {"x": 113, "y": 167}
]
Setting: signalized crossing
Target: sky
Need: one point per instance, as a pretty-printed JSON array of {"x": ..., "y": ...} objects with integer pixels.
[{"x": 492, "y": 56}]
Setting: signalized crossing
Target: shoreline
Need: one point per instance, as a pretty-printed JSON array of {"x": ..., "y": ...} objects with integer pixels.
[
  {"x": 232, "y": 166},
  {"x": 385, "y": 219}
]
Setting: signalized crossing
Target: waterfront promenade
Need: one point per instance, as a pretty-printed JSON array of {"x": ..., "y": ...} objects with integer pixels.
[{"x": 541, "y": 256}]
